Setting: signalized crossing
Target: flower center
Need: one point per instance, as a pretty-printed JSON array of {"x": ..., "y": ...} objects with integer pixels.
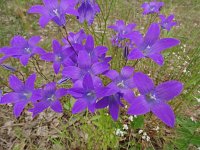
[
  {"x": 52, "y": 98},
  {"x": 146, "y": 50},
  {"x": 58, "y": 58},
  {"x": 151, "y": 97},
  {"x": 56, "y": 12},
  {"x": 121, "y": 84},
  {"x": 27, "y": 50},
  {"x": 27, "y": 95}
]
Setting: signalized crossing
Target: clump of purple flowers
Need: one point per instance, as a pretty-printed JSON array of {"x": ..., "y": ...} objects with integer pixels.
[{"x": 87, "y": 66}]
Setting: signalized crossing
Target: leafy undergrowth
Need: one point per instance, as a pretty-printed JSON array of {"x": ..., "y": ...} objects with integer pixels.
[{"x": 99, "y": 131}]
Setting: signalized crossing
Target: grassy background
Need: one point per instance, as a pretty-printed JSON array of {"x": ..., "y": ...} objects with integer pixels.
[{"x": 86, "y": 131}]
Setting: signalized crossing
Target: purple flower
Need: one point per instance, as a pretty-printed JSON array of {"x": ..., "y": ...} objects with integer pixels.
[
  {"x": 123, "y": 82},
  {"x": 152, "y": 7},
  {"x": 151, "y": 45},
  {"x": 22, "y": 93},
  {"x": 87, "y": 10},
  {"x": 88, "y": 94},
  {"x": 154, "y": 98},
  {"x": 113, "y": 102},
  {"x": 84, "y": 67},
  {"x": 1, "y": 93},
  {"x": 75, "y": 38},
  {"x": 49, "y": 98},
  {"x": 123, "y": 32},
  {"x": 59, "y": 56},
  {"x": 52, "y": 10},
  {"x": 167, "y": 22},
  {"x": 22, "y": 49}
]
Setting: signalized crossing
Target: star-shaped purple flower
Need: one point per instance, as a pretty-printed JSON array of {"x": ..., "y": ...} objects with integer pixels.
[
  {"x": 22, "y": 94},
  {"x": 52, "y": 10},
  {"x": 84, "y": 67},
  {"x": 87, "y": 10},
  {"x": 123, "y": 32},
  {"x": 87, "y": 94},
  {"x": 152, "y": 7},
  {"x": 167, "y": 22},
  {"x": 151, "y": 45},
  {"x": 123, "y": 82},
  {"x": 22, "y": 49},
  {"x": 59, "y": 56},
  {"x": 154, "y": 98},
  {"x": 49, "y": 98},
  {"x": 113, "y": 102}
]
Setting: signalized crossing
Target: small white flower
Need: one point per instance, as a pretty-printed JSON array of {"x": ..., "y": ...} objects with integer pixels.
[
  {"x": 145, "y": 134},
  {"x": 122, "y": 133},
  {"x": 125, "y": 127},
  {"x": 157, "y": 128},
  {"x": 148, "y": 138},
  {"x": 118, "y": 132},
  {"x": 126, "y": 106},
  {"x": 130, "y": 118},
  {"x": 143, "y": 137},
  {"x": 140, "y": 131},
  {"x": 193, "y": 119},
  {"x": 135, "y": 116}
]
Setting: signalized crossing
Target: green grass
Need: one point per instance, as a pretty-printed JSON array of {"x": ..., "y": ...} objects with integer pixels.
[{"x": 87, "y": 131}]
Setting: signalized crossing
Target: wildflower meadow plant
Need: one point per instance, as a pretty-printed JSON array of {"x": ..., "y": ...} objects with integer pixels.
[{"x": 95, "y": 82}]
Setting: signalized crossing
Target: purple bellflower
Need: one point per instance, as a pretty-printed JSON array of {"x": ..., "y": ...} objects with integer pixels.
[
  {"x": 123, "y": 32},
  {"x": 87, "y": 10},
  {"x": 84, "y": 67},
  {"x": 52, "y": 10},
  {"x": 22, "y": 49},
  {"x": 154, "y": 98},
  {"x": 1, "y": 93},
  {"x": 123, "y": 82},
  {"x": 87, "y": 95},
  {"x": 167, "y": 22},
  {"x": 22, "y": 94},
  {"x": 152, "y": 7},
  {"x": 151, "y": 45},
  {"x": 113, "y": 102},
  {"x": 49, "y": 98},
  {"x": 59, "y": 56}
]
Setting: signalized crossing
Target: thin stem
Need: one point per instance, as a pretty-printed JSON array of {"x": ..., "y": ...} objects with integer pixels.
[{"x": 137, "y": 61}]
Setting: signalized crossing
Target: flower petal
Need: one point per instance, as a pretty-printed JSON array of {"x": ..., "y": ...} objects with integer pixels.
[
  {"x": 127, "y": 72},
  {"x": 99, "y": 68},
  {"x": 100, "y": 50},
  {"x": 61, "y": 92},
  {"x": 56, "y": 106},
  {"x": 164, "y": 44},
  {"x": 143, "y": 83},
  {"x": 135, "y": 54},
  {"x": 114, "y": 110},
  {"x": 56, "y": 67},
  {"x": 152, "y": 34},
  {"x": 24, "y": 59},
  {"x": 38, "y": 9},
  {"x": 44, "y": 20},
  {"x": 34, "y": 40},
  {"x": 158, "y": 58},
  {"x": 15, "y": 83},
  {"x": 79, "y": 106},
  {"x": 88, "y": 82},
  {"x": 72, "y": 72},
  {"x": 112, "y": 74},
  {"x": 164, "y": 112},
  {"x": 18, "y": 41},
  {"x": 104, "y": 102},
  {"x": 84, "y": 60},
  {"x": 56, "y": 47},
  {"x": 89, "y": 43},
  {"x": 19, "y": 107},
  {"x": 10, "y": 98},
  {"x": 30, "y": 82},
  {"x": 39, "y": 107},
  {"x": 139, "y": 106},
  {"x": 168, "y": 90}
]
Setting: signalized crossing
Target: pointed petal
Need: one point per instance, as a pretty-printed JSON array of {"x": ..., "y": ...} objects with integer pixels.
[
  {"x": 44, "y": 20},
  {"x": 30, "y": 82},
  {"x": 39, "y": 107},
  {"x": 114, "y": 110},
  {"x": 91, "y": 107},
  {"x": 139, "y": 106},
  {"x": 164, "y": 44},
  {"x": 24, "y": 59},
  {"x": 36, "y": 95},
  {"x": 168, "y": 90},
  {"x": 104, "y": 102},
  {"x": 10, "y": 98},
  {"x": 57, "y": 107},
  {"x": 18, "y": 108},
  {"x": 100, "y": 67},
  {"x": 38, "y": 9},
  {"x": 158, "y": 58},
  {"x": 47, "y": 57},
  {"x": 135, "y": 54},
  {"x": 76, "y": 92},
  {"x": 72, "y": 72},
  {"x": 127, "y": 72},
  {"x": 88, "y": 82},
  {"x": 61, "y": 92},
  {"x": 165, "y": 113},
  {"x": 34, "y": 40},
  {"x": 57, "y": 48},
  {"x": 15, "y": 83},
  {"x": 112, "y": 74},
  {"x": 100, "y": 50},
  {"x": 128, "y": 95},
  {"x": 18, "y": 41},
  {"x": 56, "y": 67},
  {"x": 152, "y": 34},
  {"x": 84, "y": 60},
  {"x": 79, "y": 106},
  {"x": 89, "y": 43},
  {"x": 143, "y": 83},
  {"x": 50, "y": 4}
]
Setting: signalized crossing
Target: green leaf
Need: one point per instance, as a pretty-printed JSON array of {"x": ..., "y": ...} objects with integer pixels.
[{"x": 138, "y": 122}]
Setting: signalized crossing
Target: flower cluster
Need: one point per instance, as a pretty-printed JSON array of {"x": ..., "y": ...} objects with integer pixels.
[{"x": 78, "y": 59}]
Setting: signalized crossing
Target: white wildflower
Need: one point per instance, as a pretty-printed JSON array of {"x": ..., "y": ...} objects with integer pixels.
[
  {"x": 140, "y": 131},
  {"x": 148, "y": 138},
  {"x": 130, "y": 118},
  {"x": 135, "y": 116},
  {"x": 125, "y": 127}
]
